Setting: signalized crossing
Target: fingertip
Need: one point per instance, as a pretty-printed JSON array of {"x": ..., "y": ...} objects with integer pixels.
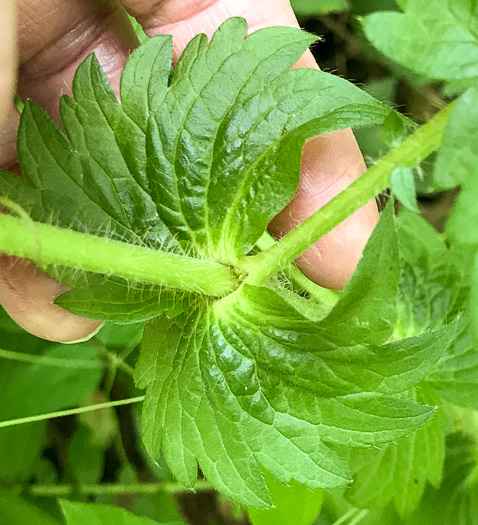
[
  {"x": 332, "y": 261},
  {"x": 27, "y": 296}
]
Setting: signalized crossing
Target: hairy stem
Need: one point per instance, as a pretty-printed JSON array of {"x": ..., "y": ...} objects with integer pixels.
[
  {"x": 114, "y": 489},
  {"x": 320, "y": 294},
  {"x": 416, "y": 148},
  {"x": 49, "y": 245}
]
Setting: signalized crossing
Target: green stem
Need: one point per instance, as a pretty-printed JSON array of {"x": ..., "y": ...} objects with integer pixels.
[
  {"x": 115, "y": 489},
  {"x": 322, "y": 295},
  {"x": 359, "y": 517},
  {"x": 49, "y": 245},
  {"x": 345, "y": 517},
  {"x": 411, "y": 151},
  {"x": 70, "y": 412},
  {"x": 46, "y": 360}
]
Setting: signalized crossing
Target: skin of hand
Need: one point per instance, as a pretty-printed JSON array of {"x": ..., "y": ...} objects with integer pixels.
[{"x": 54, "y": 36}]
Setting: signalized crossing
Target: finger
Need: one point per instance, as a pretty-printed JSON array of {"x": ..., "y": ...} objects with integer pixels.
[
  {"x": 54, "y": 37},
  {"x": 27, "y": 295},
  {"x": 330, "y": 163},
  {"x": 8, "y": 139},
  {"x": 8, "y": 56}
]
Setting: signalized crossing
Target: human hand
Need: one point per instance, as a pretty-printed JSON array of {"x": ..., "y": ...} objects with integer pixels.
[{"x": 56, "y": 35}]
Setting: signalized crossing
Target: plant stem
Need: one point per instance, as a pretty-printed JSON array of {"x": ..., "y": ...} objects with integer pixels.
[
  {"x": 114, "y": 489},
  {"x": 49, "y": 245},
  {"x": 346, "y": 516},
  {"x": 70, "y": 412},
  {"x": 322, "y": 295},
  {"x": 46, "y": 360},
  {"x": 411, "y": 151},
  {"x": 359, "y": 517}
]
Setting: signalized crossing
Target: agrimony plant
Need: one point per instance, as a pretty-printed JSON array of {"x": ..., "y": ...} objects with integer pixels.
[{"x": 151, "y": 207}]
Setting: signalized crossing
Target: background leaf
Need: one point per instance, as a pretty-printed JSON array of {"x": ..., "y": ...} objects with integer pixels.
[
  {"x": 318, "y": 7},
  {"x": 14, "y": 510},
  {"x": 399, "y": 472},
  {"x": 291, "y": 504},
  {"x": 436, "y": 38},
  {"x": 89, "y": 514},
  {"x": 403, "y": 187}
]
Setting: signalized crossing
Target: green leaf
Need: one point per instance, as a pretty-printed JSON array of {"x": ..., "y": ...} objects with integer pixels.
[
  {"x": 218, "y": 153},
  {"x": 457, "y": 156},
  {"x": 420, "y": 243},
  {"x": 433, "y": 294},
  {"x": 53, "y": 191},
  {"x": 19, "y": 448},
  {"x": 455, "y": 378},
  {"x": 199, "y": 161},
  {"x": 436, "y": 38},
  {"x": 403, "y": 187},
  {"x": 366, "y": 311},
  {"x": 259, "y": 366},
  {"x": 85, "y": 460},
  {"x": 158, "y": 505},
  {"x": 199, "y": 164},
  {"x": 393, "y": 129},
  {"x": 257, "y": 374},
  {"x": 91, "y": 514},
  {"x": 17, "y": 511},
  {"x": 431, "y": 291},
  {"x": 456, "y": 501},
  {"x": 103, "y": 138},
  {"x": 291, "y": 504},
  {"x": 318, "y": 7},
  {"x": 458, "y": 87},
  {"x": 457, "y": 164},
  {"x": 144, "y": 81},
  {"x": 138, "y": 29},
  {"x": 400, "y": 471},
  {"x": 7, "y": 325},
  {"x": 122, "y": 336},
  {"x": 121, "y": 301}
]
